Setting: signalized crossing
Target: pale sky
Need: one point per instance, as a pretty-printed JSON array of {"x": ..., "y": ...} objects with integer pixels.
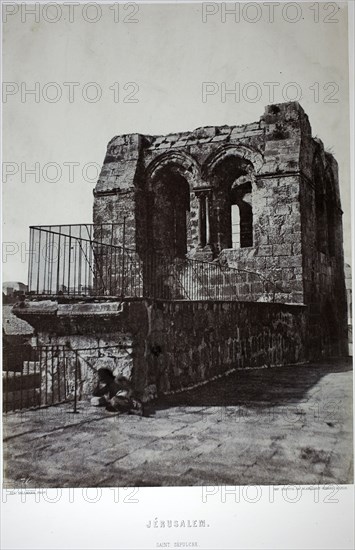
[{"x": 168, "y": 53}]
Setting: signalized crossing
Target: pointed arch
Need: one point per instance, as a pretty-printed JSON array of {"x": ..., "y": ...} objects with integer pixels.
[
  {"x": 170, "y": 178},
  {"x": 231, "y": 173},
  {"x": 180, "y": 162},
  {"x": 247, "y": 154}
]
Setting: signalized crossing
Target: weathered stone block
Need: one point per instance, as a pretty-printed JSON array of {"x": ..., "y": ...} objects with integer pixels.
[
  {"x": 293, "y": 261},
  {"x": 282, "y": 249},
  {"x": 265, "y": 250},
  {"x": 296, "y": 248}
]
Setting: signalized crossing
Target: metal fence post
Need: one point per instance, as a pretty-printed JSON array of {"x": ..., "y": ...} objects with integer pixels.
[{"x": 76, "y": 383}]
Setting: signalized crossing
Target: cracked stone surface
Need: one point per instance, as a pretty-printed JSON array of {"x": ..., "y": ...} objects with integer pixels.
[{"x": 286, "y": 425}]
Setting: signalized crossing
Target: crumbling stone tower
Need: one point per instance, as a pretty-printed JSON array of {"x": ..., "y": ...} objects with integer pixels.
[
  {"x": 211, "y": 250},
  {"x": 262, "y": 197}
]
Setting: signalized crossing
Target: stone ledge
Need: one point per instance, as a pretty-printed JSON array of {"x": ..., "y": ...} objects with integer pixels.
[{"x": 51, "y": 307}]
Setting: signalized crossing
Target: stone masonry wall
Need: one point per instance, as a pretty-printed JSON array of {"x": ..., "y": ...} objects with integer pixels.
[
  {"x": 99, "y": 333},
  {"x": 268, "y": 151},
  {"x": 323, "y": 263},
  {"x": 291, "y": 175},
  {"x": 171, "y": 344},
  {"x": 193, "y": 342},
  {"x": 116, "y": 189}
]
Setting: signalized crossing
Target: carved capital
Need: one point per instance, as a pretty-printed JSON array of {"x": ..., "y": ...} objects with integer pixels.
[{"x": 203, "y": 192}]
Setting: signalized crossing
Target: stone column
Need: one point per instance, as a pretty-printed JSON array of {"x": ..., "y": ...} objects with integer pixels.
[
  {"x": 218, "y": 224},
  {"x": 204, "y": 249},
  {"x": 201, "y": 220},
  {"x": 208, "y": 228}
]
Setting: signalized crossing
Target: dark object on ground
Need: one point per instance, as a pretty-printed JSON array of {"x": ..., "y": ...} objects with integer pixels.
[{"x": 117, "y": 394}]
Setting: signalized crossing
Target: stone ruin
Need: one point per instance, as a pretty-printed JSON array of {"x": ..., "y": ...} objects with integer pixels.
[{"x": 262, "y": 199}]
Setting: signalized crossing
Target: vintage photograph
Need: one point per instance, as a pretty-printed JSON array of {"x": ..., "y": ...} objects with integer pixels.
[{"x": 177, "y": 286}]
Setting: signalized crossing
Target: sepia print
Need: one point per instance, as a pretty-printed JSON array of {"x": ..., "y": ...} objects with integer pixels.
[{"x": 186, "y": 317}]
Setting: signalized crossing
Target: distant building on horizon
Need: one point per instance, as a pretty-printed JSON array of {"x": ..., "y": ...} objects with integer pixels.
[{"x": 9, "y": 287}]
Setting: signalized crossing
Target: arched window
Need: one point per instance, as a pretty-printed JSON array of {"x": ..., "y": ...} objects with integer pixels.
[
  {"x": 180, "y": 211},
  {"x": 241, "y": 213},
  {"x": 170, "y": 207},
  {"x": 231, "y": 205}
]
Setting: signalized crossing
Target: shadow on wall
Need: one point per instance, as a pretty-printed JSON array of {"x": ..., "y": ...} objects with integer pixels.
[{"x": 260, "y": 388}]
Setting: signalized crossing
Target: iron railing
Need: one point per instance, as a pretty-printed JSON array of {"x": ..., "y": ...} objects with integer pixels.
[
  {"x": 48, "y": 376},
  {"x": 82, "y": 262},
  {"x": 52, "y": 375},
  {"x": 65, "y": 259}
]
